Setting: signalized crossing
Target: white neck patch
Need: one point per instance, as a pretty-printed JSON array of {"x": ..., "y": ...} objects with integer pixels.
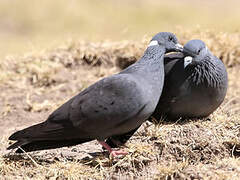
[
  {"x": 153, "y": 43},
  {"x": 187, "y": 61}
]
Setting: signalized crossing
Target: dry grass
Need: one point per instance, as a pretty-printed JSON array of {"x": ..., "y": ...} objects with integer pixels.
[
  {"x": 41, "y": 67},
  {"x": 34, "y": 85}
]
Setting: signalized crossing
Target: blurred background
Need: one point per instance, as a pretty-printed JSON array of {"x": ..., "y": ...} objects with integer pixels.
[{"x": 27, "y": 26}]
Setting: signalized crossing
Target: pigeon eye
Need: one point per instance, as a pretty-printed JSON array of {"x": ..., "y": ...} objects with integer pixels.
[
  {"x": 170, "y": 38},
  {"x": 199, "y": 51}
]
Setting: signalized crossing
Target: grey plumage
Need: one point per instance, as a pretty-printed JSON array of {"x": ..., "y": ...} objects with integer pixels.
[
  {"x": 112, "y": 106},
  {"x": 195, "y": 85}
]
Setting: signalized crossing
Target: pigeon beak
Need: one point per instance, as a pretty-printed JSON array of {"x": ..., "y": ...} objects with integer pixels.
[{"x": 179, "y": 47}]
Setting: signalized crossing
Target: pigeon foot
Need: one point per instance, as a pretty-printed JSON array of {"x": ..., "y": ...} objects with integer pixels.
[
  {"x": 114, "y": 153},
  {"x": 118, "y": 152}
]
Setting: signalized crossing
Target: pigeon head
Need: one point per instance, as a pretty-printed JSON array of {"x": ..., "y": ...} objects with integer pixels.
[
  {"x": 195, "y": 51},
  {"x": 167, "y": 40}
]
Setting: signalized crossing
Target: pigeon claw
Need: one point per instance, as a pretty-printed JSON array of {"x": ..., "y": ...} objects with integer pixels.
[
  {"x": 113, "y": 153},
  {"x": 116, "y": 153}
]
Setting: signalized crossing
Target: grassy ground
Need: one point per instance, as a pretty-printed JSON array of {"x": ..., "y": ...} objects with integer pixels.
[{"x": 34, "y": 85}]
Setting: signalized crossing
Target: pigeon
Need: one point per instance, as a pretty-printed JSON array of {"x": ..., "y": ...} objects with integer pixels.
[
  {"x": 112, "y": 106},
  {"x": 195, "y": 85}
]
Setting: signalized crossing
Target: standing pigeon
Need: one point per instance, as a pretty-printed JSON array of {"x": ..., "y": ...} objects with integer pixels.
[
  {"x": 195, "y": 85},
  {"x": 112, "y": 106}
]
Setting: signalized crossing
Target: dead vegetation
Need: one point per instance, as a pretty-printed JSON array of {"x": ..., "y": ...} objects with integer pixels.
[{"x": 34, "y": 85}]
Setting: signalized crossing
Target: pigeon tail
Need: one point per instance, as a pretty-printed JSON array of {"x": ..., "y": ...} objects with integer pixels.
[
  {"x": 44, "y": 144},
  {"x": 47, "y": 131},
  {"x": 46, "y": 135}
]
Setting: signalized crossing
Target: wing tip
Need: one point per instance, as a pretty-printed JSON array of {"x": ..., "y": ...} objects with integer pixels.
[
  {"x": 15, "y": 136},
  {"x": 18, "y": 144}
]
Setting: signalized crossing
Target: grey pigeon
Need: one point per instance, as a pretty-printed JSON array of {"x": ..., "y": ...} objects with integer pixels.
[
  {"x": 112, "y": 106},
  {"x": 195, "y": 85}
]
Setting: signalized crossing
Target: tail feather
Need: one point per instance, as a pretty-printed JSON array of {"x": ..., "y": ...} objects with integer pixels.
[
  {"x": 17, "y": 144},
  {"x": 47, "y": 135},
  {"x": 44, "y": 145},
  {"x": 45, "y": 131}
]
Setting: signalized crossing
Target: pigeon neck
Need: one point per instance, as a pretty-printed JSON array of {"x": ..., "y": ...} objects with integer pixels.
[
  {"x": 151, "y": 62},
  {"x": 153, "y": 55},
  {"x": 208, "y": 72}
]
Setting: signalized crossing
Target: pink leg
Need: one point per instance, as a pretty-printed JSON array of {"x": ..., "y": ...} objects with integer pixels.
[{"x": 113, "y": 152}]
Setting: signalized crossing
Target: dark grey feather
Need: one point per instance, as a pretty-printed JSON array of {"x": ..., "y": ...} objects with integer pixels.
[{"x": 112, "y": 106}]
